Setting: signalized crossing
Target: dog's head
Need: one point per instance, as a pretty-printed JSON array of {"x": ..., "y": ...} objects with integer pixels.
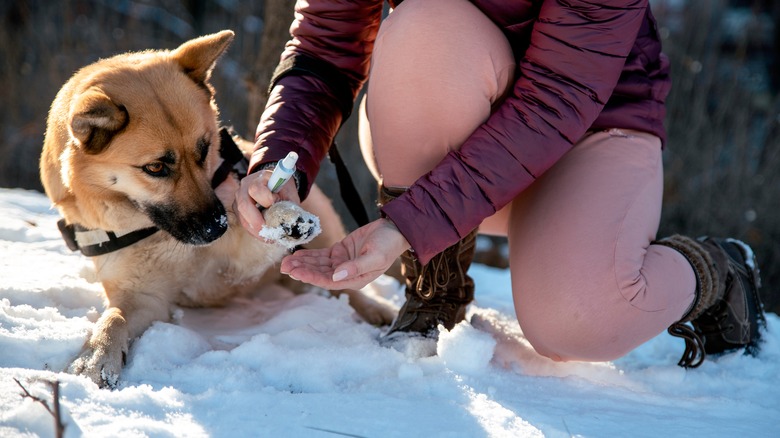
[{"x": 134, "y": 139}]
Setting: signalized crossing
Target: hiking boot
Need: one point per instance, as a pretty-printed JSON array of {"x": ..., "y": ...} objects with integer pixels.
[
  {"x": 437, "y": 293},
  {"x": 727, "y": 313}
]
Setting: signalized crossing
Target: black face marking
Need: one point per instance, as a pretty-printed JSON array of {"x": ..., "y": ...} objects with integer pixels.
[
  {"x": 194, "y": 228},
  {"x": 202, "y": 150},
  {"x": 168, "y": 158},
  {"x": 112, "y": 180}
]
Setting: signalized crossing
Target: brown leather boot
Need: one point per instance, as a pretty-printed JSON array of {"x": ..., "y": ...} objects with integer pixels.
[
  {"x": 727, "y": 313},
  {"x": 436, "y": 293}
]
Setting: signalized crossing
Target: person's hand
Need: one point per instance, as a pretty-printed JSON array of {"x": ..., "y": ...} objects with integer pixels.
[
  {"x": 361, "y": 257},
  {"x": 253, "y": 193}
]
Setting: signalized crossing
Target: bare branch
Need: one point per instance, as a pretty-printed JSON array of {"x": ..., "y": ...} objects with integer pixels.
[{"x": 54, "y": 412}]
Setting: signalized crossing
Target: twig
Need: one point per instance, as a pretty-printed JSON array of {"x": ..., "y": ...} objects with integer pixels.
[
  {"x": 59, "y": 428},
  {"x": 334, "y": 432}
]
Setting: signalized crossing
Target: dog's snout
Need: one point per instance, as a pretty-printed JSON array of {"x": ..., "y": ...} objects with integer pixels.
[
  {"x": 196, "y": 228},
  {"x": 209, "y": 227}
]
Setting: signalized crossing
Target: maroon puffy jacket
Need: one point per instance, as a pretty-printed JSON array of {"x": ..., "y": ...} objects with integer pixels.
[{"x": 581, "y": 66}]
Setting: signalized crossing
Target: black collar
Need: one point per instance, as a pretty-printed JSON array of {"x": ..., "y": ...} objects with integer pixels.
[{"x": 99, "y": 242}]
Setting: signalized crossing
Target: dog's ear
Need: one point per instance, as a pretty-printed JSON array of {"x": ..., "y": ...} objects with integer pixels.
[
  {"x": 198, "y": 57},
  {"x": 95, "y": 119}
]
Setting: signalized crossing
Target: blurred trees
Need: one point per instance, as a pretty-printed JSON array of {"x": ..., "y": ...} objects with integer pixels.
[
  {"x": 722, "y": 163},
  {"x": 723, "y": 155}
]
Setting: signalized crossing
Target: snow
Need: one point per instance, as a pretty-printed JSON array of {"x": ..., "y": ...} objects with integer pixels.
[{"x": 279, "y": 364}]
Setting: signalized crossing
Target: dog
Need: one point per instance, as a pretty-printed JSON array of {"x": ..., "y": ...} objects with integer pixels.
[{"x": 131, "y": 148}]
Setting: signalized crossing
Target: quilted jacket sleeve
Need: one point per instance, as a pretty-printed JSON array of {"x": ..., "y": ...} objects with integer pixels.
[
  {"x": 321, "y": 71},
  {"x": 575, "y": 58}
]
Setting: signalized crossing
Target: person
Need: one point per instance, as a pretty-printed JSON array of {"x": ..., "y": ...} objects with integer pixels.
[{"x": 538, "y": 120}]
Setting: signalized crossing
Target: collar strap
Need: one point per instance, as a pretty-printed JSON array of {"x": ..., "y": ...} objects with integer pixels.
[
  {"x": 93, "y": 243},
  {"x": 98, "y": 242}
]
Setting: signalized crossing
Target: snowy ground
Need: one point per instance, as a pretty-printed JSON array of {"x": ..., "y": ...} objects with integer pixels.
[{"x": 280, "y": 365}]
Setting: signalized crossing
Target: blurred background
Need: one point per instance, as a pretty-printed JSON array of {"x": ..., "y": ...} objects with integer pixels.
[{"x": 723, "y": 156}]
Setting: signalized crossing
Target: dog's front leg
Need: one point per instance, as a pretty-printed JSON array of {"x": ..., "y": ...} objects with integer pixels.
[
  {"x": 371, "y": 310},
  {"x": 105, "y": 352}
]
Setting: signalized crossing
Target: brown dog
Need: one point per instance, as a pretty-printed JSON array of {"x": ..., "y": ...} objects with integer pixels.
[{"x": 132, "y": 144}]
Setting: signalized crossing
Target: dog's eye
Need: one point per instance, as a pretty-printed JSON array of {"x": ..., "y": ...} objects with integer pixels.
[{"x": 156, "y": 168}]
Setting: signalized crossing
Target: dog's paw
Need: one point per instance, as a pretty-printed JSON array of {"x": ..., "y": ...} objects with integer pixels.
[
  {"x": 289, "y": 225},
  {"x": 105, "y": 352},
  {"x": 101, "y": 365}
]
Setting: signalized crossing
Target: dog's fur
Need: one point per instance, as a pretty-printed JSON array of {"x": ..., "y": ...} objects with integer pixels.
[{"x": 132, "y": 142}]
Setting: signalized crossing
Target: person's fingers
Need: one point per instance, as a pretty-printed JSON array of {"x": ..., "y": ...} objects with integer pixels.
[
  {"x": 312, "y": 270},
  {"x": 368, "y": 266},
  {"x": 289, "y": 192},
  {"x": 246, "y": 209},
  {"x": 257, "y": 189},
  {"x": 312, "y": 259},
  {"x": 360, "y": 258},
  {"x": 316, "y": 267}
]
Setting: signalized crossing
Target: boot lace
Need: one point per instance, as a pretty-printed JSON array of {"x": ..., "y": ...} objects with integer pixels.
[
  {"x": 694, "y": 346},
  {"x": 441, "y": 270},
  {"x": 439, "y": 278},
  {"x": 709, "y": 324}
]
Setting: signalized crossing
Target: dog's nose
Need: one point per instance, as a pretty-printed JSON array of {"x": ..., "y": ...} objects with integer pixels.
[
  {"x": 210, "y": 228},
  {"x": 199, "y": 228}
]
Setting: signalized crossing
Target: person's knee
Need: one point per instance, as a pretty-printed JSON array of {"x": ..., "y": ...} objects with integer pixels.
[
  {"x": 574, "y": 332},
  {"x": 577, "y": 342}
]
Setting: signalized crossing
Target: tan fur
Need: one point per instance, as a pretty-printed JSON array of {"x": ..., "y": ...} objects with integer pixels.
[{"x": 156, "y": 109}]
